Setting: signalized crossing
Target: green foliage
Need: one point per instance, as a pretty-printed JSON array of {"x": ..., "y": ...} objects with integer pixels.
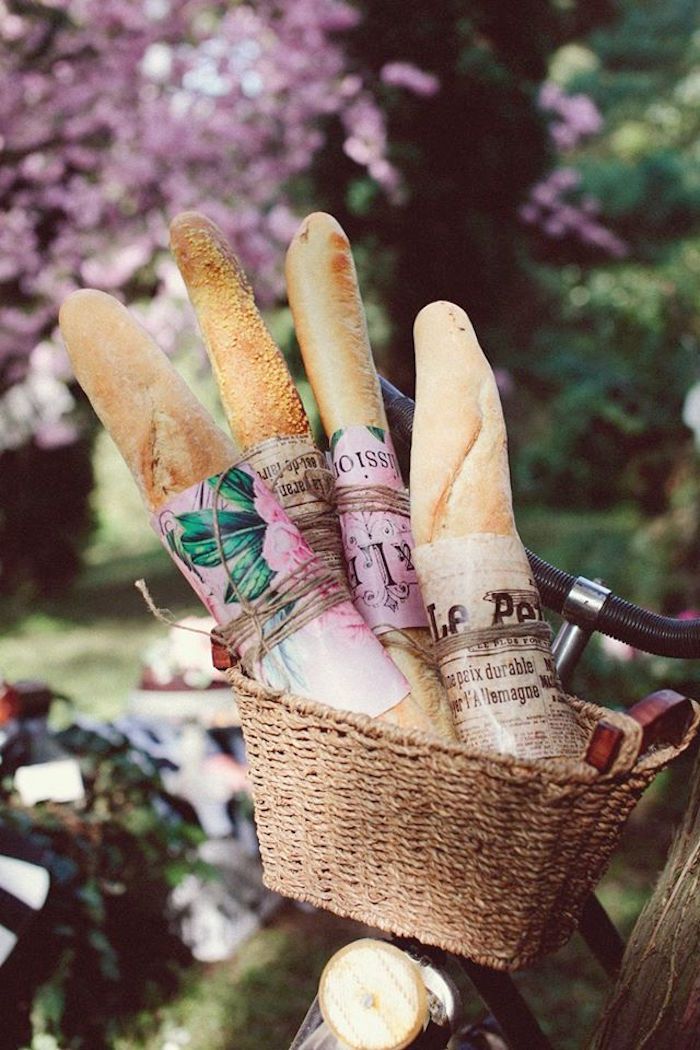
[
  {"x": 467, "y": 156},
  {"x": 103, "y": 948},
  {"x": 614, "y": 369},
  {"x": 616, "y": 346},
  {"x": 234, "y": 537},
  {"x": 258, "y": 999},
  {"x": 645, "y": 167}
]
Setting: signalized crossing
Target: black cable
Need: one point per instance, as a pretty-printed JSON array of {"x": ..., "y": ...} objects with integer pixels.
[{"x": 629, "y": 623}]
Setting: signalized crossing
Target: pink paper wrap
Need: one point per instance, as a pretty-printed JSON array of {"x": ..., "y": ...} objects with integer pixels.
[
  {"x": 233, "y": 542},
  {"x": 378, "y": 543}
]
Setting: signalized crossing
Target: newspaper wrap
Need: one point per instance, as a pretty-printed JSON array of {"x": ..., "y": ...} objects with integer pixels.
[
  {"x": 493, "y": 647},
  {"x": 278, "y": 604},
  {"x": 376, "y": 530},
  {"x": 298, "y": 475}
]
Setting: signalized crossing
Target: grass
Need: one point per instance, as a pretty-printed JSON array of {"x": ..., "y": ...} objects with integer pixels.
[
  {"x": 89, "y": 647},
  {"x": 257, "y": 1000},
  {"x": 89, "y": 643}
]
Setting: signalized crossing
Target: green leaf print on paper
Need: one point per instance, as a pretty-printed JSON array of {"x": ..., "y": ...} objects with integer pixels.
[
  {"x": 237, "y": 487},
  {"x": 377, "y": 432},
  {"x": 240, "y": 540},
  {"x": 335, "y": 438},
  {"x": 172, "y": 537}
]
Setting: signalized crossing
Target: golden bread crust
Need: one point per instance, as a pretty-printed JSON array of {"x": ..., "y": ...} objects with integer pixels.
[
  {"x": 331, "y": 327},
  {"x": 257, "y": 391},
  {"x": 166, "y": 436},
  {"x": 460, "y": 481}
]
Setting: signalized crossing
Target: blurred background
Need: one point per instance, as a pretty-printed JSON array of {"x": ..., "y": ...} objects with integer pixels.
[{"x": 538, "y": 164}]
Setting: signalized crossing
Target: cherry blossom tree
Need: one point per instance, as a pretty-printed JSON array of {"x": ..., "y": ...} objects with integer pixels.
[{"x": 113, "y": 116}]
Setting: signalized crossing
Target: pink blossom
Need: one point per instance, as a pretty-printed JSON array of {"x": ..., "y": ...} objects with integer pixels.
[
  {"x": 575, "y": 116},
  {"x": 549, "y": 95},
  {"x": 544, "y": 193},
  {"x": 504, "y": 382},
  {"x": 366, "y": 140},
  {"x": 55, "y": 435},
  {"x": 284, "y": 549},
  {"x": 528, "y": 213},
  {"x": 564, "y": 178},
  {"x": 121, "y": 117},
  {"x": 406, "y": 75},
  {"x": 554, "y": 207}
]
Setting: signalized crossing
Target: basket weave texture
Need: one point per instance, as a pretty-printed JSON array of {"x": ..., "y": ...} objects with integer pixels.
[{"x": 486, "y": 856}]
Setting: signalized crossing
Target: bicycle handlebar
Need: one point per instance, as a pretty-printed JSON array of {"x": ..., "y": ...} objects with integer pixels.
[{"x": 645, "y": 630}]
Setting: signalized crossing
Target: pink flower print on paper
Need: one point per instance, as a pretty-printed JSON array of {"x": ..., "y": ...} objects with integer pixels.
[
  {"x": 284, "y": 548},
  {"x": 346, "y": 618},
  {"x": 266, "y": 503}
]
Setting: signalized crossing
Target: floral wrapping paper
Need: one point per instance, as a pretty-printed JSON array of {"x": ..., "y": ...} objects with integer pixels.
[
  {"x": 335, "y": 657},
  {"x": 378, "y": 542}
]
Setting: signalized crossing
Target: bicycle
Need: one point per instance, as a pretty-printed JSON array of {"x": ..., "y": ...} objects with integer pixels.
[{"x": 586, "y": 606}]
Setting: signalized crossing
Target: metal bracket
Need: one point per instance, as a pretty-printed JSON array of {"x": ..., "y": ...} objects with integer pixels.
[
  {"x": 580, "y": 611},
  {"x": 584, "y": 602}
]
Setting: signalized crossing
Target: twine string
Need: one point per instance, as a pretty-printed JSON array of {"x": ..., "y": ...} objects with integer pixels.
[
  {"x": 318, "y": 524},
  {"x": 376, "y": 498},
  {"x": 167, "y": 617},
  {"x": 322, "y": 533},
  {"x": 434, "y": 652},
  {"x": 311, "y": 588},
  {"x": 467, "y": 641}
]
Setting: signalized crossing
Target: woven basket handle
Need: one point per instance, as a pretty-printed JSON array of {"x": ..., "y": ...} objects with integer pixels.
[{"x": 664, "y": 717}]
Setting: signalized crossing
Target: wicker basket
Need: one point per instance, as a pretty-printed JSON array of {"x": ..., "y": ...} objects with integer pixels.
[{"x": 488, "y": 857}]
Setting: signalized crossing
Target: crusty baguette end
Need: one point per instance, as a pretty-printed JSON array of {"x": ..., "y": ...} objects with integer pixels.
[
  {"x": 331, "y": 327},
  {"x": 460, "y": 481},
  {"x": 165, "y": 435}
]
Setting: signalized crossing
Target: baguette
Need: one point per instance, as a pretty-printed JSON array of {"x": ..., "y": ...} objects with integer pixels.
[
  {"x": 459, "y": 429},
  {"x": 480, "y": 594},
  {"x": 331, "y": 328},
  {"x": 257, "y": 391},
  {"x": 227, "y": 534},
  {"x": 260, "y": 400},
  {"x": 166, "y": 437},
  {"x": 330, "y": 323}
]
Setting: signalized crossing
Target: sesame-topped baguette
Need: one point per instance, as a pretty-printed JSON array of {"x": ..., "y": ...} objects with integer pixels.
[
  {"x": 331, "y": 328},
  {"x": 330, "y": 324},
  {"x": 263, "y": 408},
  {"x": 257, "y": 391},
  {"x": 167, "y": 438}
]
